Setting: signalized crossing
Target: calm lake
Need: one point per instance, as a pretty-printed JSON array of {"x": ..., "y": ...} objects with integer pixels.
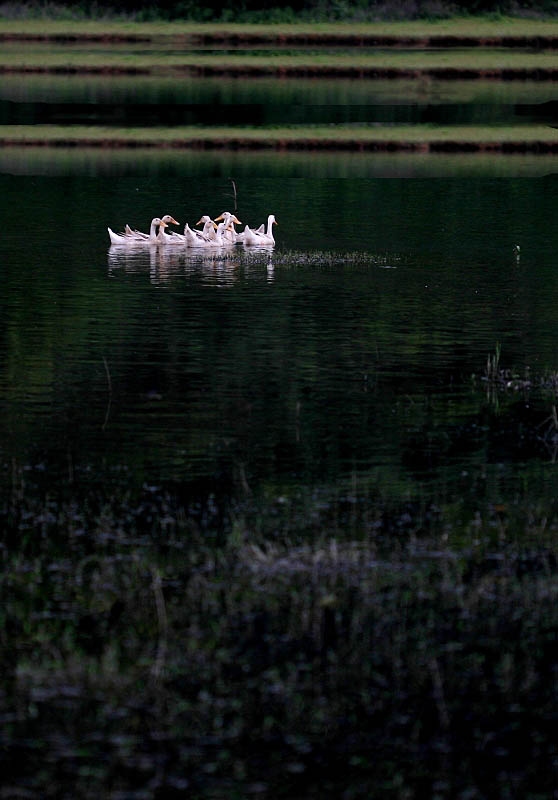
[
  {"x": 278, "y": 522},
  {"x": 345, "y": 362}
]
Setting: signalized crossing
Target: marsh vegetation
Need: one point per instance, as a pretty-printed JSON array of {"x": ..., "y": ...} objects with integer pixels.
[{"x": 378, "y": 651}]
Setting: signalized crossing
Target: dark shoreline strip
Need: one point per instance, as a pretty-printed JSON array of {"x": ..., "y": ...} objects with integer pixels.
[
  {"x": 533, "y": 41},
  {"x": 303, "y": 71},
  {"x": 330, "y": 145}
]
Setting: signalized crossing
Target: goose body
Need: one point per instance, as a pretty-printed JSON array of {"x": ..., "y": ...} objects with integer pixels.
[
  {"x": 152, "y": 235},
  {"x": 219, "y": 239},
  {"x": 241, "y": 236},
  {"x": 135, "y": 237},
  {"x": 194, "y": 238},
  {"x": 164, "y": 238},
  {"x": 130, "y": 236},
  {"x": 117, "y": 238},
  {"x": 259, "y": 238}
]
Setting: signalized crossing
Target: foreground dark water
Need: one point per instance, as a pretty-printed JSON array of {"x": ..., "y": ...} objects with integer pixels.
[{"x": 266, "y": 529}]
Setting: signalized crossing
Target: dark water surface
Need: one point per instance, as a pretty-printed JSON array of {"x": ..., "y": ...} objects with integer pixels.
[
  {"x": 352, "y": 354},
  {"x": 165, "y": 101},
  {"x": 266, "y": 528}
]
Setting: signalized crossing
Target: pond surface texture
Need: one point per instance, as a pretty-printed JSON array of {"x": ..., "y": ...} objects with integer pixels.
[{"x": 354, "y": 351}]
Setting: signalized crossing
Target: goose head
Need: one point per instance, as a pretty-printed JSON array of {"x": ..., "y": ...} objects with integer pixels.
[
  {"x": 206, "y": 220},
  {"x": 229, "y": 218}
]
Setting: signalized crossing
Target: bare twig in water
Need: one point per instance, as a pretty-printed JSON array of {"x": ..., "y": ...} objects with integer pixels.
[{"x": 234, "y": 195}]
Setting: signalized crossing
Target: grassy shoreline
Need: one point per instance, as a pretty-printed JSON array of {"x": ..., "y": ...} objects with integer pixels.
[
  {"x": 416, "y": 138},
  {"x": 457, "y": 65}
]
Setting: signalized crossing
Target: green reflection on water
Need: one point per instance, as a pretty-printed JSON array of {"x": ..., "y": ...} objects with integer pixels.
[
  {"x": 137, "y": 161},
  {"x": 266, "y": 91}
]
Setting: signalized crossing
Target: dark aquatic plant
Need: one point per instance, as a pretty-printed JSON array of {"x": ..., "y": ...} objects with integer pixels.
[
  {"x": 498, "y": 378},
  {"x": 492, "y": 373},
  {"x": 535, "y": 424}
]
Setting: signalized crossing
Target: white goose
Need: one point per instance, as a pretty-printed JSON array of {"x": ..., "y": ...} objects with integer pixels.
[
  {"x": 209, "y": 243},
  {"x": 219, "y": 239},
  {"x": 211, "y": 236},
  {"x": 209, "y": 227},
  {"x": 152, "y": 235},
  {"x": 164, "y": 238},
  {"x": 125, "y": 238},
  {"x": 193, "y": 238},
  {"x": 130, "y": 236},
  {"x": 259, "y": 238},
  {"x": 240, "y": 236},
  {"x": 230, "y": 221}
]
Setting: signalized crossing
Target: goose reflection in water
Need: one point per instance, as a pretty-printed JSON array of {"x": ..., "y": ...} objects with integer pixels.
[
  {"x": 167, "y": 263},
  {"x": 220, "y": 266},
  {"x": 162, "y": 263}
]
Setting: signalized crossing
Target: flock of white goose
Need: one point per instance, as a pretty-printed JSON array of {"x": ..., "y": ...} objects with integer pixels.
[{"x": 220, "y": 232}]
